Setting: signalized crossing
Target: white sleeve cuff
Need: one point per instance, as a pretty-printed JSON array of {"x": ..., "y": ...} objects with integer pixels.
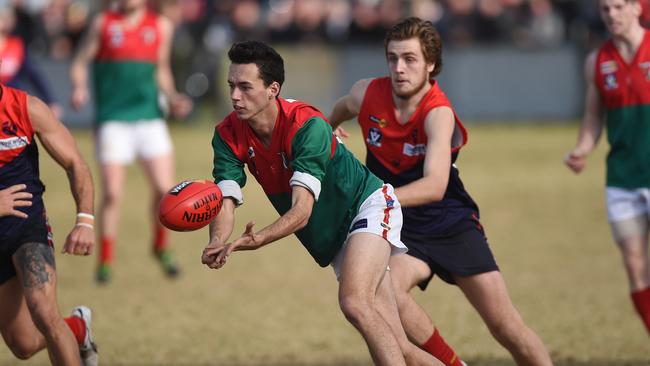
[
  {"x": 308, "y": 181},
  {"x": 230, "y": 188}
]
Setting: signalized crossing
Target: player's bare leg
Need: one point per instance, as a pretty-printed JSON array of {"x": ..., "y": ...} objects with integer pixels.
[
  {"x": 406, "y": 272},
  {"x": 160, "y": 173},
  {"x": 387, "y": 307},
  {"x": 112, "y": 179},
  {"x": 16, "y": 325},
  {"x": 37, "y": 323},
  {"x": 634, "y": 251},
  {"x": 488, "y": 294},
  {"x": 363, "y": 267},
  {"x": 632, "y": 239}
]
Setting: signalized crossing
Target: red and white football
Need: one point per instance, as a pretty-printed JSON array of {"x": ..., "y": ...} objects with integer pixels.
[{"x": 190, "y": 205}]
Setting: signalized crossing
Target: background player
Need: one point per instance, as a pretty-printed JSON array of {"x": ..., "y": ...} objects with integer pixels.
[
  {"x": 618, "y": 95},
  {"x": 29, "y": 314},
  {"x": 413, "y": 137},
  {"x": 131, "y": 51},
  {"x": 15, "y": 65},
  {"x": 339, "y": 211}
]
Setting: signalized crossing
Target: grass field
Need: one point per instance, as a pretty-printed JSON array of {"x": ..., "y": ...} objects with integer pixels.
[{"x": 547, "y": 229}]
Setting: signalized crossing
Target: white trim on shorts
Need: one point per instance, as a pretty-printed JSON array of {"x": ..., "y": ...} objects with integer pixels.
[
  {"x": 625, "y": 204},
  {"x": 122, "y": 142},
  {"x": 383, "y": 214}
]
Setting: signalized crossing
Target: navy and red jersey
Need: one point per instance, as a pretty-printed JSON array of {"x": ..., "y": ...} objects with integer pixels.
[
  {"x": 396, "y": 155},
  {"x": 18, "y": 157}
]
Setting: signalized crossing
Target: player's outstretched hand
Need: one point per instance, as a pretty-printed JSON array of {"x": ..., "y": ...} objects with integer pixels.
[
  {"x": 216, "y": 254},
  {"x": 80, "y": 241},
  {"x": 13, "y": 197},
  {"x": 576, "y": 160}
]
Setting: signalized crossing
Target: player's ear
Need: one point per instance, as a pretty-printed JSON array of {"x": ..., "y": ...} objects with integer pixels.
[
  {"x": 274, "y": 90},
  {"x": 431, "y": 67}
]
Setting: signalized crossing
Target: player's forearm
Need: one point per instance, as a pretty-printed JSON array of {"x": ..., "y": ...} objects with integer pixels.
[
  {"x": 421, "y": 192},
  {"x": 589, "y": 135},
  {"x": 222, "y": 226},
  {"x": 293, "y": 220},
  {"x": 166, "y": 84},
  {"x": 81, "y": 185},
  {"x": 79, "y": 74},
  {"x": 340, "y": 113}
]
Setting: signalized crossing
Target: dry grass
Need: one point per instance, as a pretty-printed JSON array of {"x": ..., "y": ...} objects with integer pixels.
[{"x": 275, "y": 306}]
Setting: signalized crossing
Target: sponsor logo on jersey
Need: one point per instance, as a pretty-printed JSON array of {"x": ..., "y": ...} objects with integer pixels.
[
  {"x": 116, "y": 35},
  {"x": 179, "y": 187},
  {"x": 374, "y": 137},
  {"x": 646, "y": 69},
  {"x": 13, "y": 143},
  {"x": 148, "y": 35},
  {"x": 414, "y": 150},
  {"x": 9, "y": 128},
  {"x": 608, "y": 67},
  {"x": 380, "y": 121},
  {"x": 611, "y": 82}
]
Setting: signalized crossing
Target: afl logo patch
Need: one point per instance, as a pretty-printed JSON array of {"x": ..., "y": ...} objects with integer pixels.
[{"x": 374, "y": 137}]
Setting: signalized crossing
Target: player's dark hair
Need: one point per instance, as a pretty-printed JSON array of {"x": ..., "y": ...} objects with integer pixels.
[
  {"x": 268, "y": 61},
  {"x": 427, "y": 34}
]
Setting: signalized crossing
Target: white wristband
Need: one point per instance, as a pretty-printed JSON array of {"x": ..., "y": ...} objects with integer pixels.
[
  {"x": 85, "y": 216},
  {"x": 91, "y": 227}
]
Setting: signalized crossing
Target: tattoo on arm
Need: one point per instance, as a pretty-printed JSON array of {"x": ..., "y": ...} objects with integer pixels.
[{"x": 34, "y": 260}]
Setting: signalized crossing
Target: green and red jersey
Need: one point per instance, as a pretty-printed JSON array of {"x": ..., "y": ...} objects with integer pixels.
[
  {"x": 625, "y": 95},
  {"x": 125, "y": 69},
  {"x": 304, "y": 152}
]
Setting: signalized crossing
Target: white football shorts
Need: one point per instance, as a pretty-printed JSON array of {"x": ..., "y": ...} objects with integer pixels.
[
  {"x": 628, "y": 211},
  {"x": 122, "y": 142},
  {"x": 379, "y": 214}
]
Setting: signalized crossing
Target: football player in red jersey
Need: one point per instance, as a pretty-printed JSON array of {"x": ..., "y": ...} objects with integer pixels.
[
  {"x": 29, "y": 316},
  {"x": 618, "y": 96},
  {"x": 130, "y": 50},
  {"x": 413, "y": 137}
]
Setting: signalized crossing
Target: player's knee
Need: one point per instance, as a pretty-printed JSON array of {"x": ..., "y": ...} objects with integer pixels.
[
  {"x": 111, "y": 197},
  {"x": 21, "y": 348},
  {"x": 508, "y": 331},
  {"x": 355, "y": 309},
  {"x": 45, "y": 317}
]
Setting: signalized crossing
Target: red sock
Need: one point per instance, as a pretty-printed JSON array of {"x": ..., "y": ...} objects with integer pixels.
[
  {"x": 78, "y": 328},
  {"x": 641, "y": 300},
  {"x": 106, "y": 250},
  {"x": 159, "y": 238},
  {"x": 437, "y": 346}
]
